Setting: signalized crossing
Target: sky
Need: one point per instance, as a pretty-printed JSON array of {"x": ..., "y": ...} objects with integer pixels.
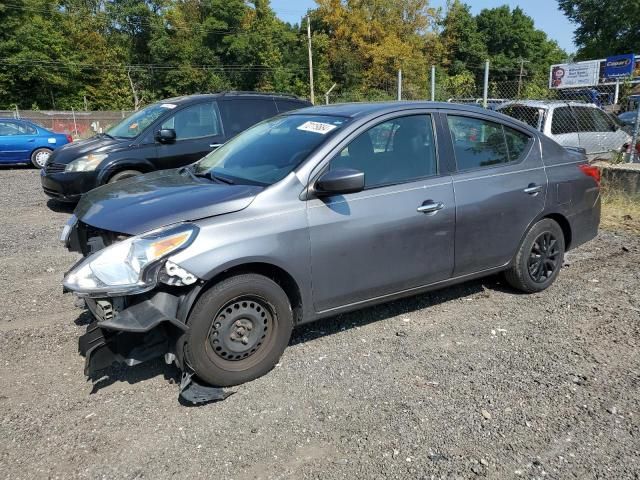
[{"x": 545, "y": 14}]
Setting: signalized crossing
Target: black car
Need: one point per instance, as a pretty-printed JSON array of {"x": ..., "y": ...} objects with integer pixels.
[{"x": 167, "y": 134}]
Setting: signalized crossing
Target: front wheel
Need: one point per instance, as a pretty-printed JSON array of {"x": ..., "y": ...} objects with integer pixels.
[
  {"x": 40, "y": 156},
  {"x": 238, "y": 330},
  {"x": 124, "y": 174},
  {"x": 539, "y": 258}
]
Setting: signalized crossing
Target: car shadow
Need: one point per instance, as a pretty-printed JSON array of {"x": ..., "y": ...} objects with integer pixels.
[
  {"x": 306, "y": 333},
  {"x": 17, "y": 166},
  {"x": 403, "y": 306},
  {"x": 60, "y": 207}
]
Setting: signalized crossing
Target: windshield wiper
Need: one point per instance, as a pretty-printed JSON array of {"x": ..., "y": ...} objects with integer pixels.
[
  {"x": 211, "y": 176},
  {"x": 222, "y": 179}
]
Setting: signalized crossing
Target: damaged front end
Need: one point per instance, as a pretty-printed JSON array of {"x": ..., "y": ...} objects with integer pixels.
[{"x": 138, "y": 297}]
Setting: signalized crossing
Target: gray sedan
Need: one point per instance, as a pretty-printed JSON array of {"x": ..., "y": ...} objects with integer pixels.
[{"x": 317, "y": 212}]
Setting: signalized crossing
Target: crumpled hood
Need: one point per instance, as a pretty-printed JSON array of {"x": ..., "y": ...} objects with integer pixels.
[
  {"x": 139, "y": 204},
  {"x": 96, "y": 144}
]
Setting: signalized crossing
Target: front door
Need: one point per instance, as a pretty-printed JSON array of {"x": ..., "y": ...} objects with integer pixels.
[
  {"x": 500, "y": 188},
  {"x": 198, "y": 132},
  {"x": 395, "y": 235}
]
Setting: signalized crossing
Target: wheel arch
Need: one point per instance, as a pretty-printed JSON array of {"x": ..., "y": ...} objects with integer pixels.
[
  {"x": 267, "y": 269},
  {"x": 117, "y": 166},
  {"x": 564, "y": 225}
]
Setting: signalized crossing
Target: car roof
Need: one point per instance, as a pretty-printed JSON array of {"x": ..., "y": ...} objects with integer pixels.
[
  {"x": 548, "y": 103},
  {"x": 360, "y": 109},
  {"x": 230, "y": 94}
]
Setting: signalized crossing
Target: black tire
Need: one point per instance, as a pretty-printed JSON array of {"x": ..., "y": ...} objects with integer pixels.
[
  {"x": 539, "y": 258},
  {"x": 124, "y": 174},
  {"x": 219, "y": 345},
  {"x": 40, "y": 156}
]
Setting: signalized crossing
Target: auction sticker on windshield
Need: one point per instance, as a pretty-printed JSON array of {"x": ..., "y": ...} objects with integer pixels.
[
  {"x": 168, "y": 105},
  {"x": 317, "y": 127}
]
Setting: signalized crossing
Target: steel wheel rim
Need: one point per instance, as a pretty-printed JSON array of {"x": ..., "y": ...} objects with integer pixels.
[
  {"x": 42, "y": 157},
  {"x": 543, "y": 257},
  {"x": 240, "y": 332}
]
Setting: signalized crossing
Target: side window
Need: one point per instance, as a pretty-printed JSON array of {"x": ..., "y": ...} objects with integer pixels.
[
  {"x": 25, "y": 129},
  {"x": 586, "y": 119},
  {"x": 517, "y": 143},
  {"x": 238, "y": 114},
  {"x": 603, "y": 122},
  {"x": 477, "y": 143},
  {"x": 563, "y": 121},
  {"x": 396, "y": 151},
  {"x": 285, "y": 105},
  {"x": 200, "y": 120},
  {"x": 8, "y": 128}
]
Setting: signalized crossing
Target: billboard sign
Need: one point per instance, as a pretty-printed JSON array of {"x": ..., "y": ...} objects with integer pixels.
[
  {"x": 619, "y": 66},
  {"x": 571, "y": 75}
]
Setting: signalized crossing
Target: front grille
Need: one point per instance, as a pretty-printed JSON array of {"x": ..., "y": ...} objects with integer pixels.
[
  {"x": 54, "y": 167},
  {"x": 92, "y": 239}
]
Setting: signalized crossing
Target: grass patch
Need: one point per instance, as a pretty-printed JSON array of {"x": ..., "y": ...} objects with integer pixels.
[{"x": 620, "y": 211}]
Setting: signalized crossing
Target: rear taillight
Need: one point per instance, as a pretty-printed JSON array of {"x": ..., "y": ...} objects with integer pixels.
[
  {"x": 591, "y": 171},
  {"x": 69, "y": 138}
]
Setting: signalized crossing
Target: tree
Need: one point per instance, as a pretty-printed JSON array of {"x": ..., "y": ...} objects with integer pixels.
[
  {"x": 464, "y": 46},
  {"x": 605, "y": 27}
]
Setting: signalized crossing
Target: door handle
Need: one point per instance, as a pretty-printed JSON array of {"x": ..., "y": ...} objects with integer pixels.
[
  {"x": 533, "y": 189},
  {"x": 430, "y": 207},
  {"x": 215, "y": 145}
]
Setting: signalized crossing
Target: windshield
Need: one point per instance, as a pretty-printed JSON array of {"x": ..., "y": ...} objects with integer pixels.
[
  {"x": 267, "y": 152},
  {"x": 134, "y": 124}
]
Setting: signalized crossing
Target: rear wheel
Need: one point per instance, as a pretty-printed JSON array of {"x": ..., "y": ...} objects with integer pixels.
[
  {"x": 238, "y": 330},
  {"x": 124, "y": 174},
  {"x": 40, "y": 156},
  {"x": 539, "y": 258}
]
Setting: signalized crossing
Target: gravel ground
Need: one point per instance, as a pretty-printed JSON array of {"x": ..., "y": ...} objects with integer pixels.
[{"x": 471, "y": 381}]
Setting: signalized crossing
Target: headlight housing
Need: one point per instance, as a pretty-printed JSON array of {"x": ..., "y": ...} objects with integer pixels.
[
  {"x": 87, "y": 163},
  {"x": 130, "y": 266}
]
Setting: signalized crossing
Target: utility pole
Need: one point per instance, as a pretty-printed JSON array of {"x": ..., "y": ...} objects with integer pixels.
[
  {"x": 485, "y": 90},
  {"x": 310, "y": 60},
  {"x": 522, "y": 74},
  {"x": 399, "y": 85}
]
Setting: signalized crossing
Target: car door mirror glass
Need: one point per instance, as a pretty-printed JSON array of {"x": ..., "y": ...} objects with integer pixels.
[
  {"x": 338, "y": 182},
  {"x": 166, "y": 135}
]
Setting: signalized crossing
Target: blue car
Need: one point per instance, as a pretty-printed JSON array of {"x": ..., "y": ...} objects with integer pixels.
[{"x": 22, "y": 142}]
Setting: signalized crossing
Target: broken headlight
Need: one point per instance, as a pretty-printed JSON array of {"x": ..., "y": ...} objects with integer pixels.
[{"x": 129, "y": 266}]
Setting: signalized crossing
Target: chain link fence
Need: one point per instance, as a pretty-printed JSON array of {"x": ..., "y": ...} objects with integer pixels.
[
  {"x": 600, "y": 119},
  {"x": 78, "y": 124}
]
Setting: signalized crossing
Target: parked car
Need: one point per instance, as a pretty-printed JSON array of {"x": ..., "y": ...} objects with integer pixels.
[
  {"x": 314, "y": 213},
  {"x": 167, "y": 134},
  {"x": 572, "y": 124},
  {"x": 22, "y": 141},
  {"x": 628, "y": 119}
]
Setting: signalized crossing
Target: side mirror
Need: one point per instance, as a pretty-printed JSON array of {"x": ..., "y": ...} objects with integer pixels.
[
  {"x": 336, "y": 182},
  {"x": 166, "y": 135}
]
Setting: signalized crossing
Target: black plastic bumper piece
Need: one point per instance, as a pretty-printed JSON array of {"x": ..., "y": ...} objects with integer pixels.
[
  {"x": 103, "y": 348},
  {"x": 194, "y": 393}
]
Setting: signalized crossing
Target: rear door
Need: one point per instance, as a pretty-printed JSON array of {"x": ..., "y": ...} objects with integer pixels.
[
  {"x": 564, "y": 128},
  {"x": 240, "y": 113},
  {"x": 500, "y": 187},
  {"x": 198, "y": 131}
]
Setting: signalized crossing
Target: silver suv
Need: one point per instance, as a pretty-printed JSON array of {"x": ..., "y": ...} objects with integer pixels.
[{"x": 572, "y": 124}]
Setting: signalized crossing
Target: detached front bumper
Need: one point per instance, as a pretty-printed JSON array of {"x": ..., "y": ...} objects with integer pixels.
[{"x": 132, "y": 330}]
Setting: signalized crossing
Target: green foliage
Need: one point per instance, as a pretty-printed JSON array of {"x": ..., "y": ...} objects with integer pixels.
[
  {"x": 605, "y": 27},
  {"x": 122, "y": 54}
]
